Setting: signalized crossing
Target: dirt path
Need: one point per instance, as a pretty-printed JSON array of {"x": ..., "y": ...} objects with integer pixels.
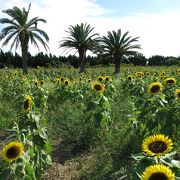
[
  {"x": 67, "y": 171},
  {"x": 66, "y": 164}
]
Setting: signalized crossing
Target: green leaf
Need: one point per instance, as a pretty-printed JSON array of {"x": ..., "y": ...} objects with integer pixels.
[
  {"x": 132, "y": 118},
  {"x": 48, "y": 160},
  {"x": 169, "y": 155},
  {"x": 42, "y": 133},
  {"x": 30, "y": 171},
  {"x": 137, "y": 112},
  {"x": 176, "y": 163},
  {"x": 138, "y": 156}
]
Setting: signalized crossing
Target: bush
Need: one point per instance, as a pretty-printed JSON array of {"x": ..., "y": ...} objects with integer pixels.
[{"x": 171, "y": 62}]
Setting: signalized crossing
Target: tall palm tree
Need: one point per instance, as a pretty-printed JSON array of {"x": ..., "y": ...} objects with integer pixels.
[
  {"x": 21, "y": 31},
  {"x": 80, "y": 39},
  {"x": 118, "y": 45}
]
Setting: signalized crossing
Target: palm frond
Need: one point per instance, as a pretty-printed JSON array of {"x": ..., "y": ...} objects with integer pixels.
[
  {"x": 8, "y": 38},
  {"x": 15, "y": 43},
  {"x": 118, "y": 43},
  {"x": 36, "y": 36},
  {"x": 80, "y": 37}
]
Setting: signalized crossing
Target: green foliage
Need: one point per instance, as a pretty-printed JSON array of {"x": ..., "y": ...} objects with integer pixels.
[{"x": 30, "y": 131}]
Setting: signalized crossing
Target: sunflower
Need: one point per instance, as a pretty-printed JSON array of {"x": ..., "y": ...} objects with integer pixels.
[
  {"x": 12, "y": 151},
  {"x": 15, "y": 73},
  {"x": 178, "y": 71},
  {"x": 97, "y": 86},
  {"x": 66, "y": 82},
  {"x": 58, "y": 80},
  {"x": 41, "y": 82},
  {"x": 170, "y": 81},
  {"x": 147, "y": 73},
  {"x": 157, "y": 145},
  {"x": 177, "y": 94},
  {"x": 36, "y": 83},
  {"x": 139, "y": 74},
  {"x": 155, "y": 74},
  {"x": 154, "y": 88},
  {"x": 129, "y": 77},
  {"x": 107, "y": 78},
  {"x": 100, "y": 78},
  {"x": 62, "y": 79},
  {"x": 162, "y": 74},
  {"x": 89, "y": 80},
  {"x": 27, "y": 104},
  {"x": 158, "y": 172}
]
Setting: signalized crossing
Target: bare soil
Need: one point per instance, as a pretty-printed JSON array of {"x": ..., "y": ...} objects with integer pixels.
[{"x": 67, "y": 164}]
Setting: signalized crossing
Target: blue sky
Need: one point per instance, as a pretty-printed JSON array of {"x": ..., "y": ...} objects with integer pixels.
[
  {"x": 130, "y": 7},
  {"x": 155, "y": 22}
]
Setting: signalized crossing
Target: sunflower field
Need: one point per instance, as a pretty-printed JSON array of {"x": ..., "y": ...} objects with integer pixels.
[{"x": 113, "y": 126}]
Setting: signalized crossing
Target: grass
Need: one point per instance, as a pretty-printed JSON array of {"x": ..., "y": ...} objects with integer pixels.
[{"x": 8, "y": 115}]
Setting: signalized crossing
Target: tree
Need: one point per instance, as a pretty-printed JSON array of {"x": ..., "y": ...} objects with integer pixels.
[
  {"x": 156, "y": 60},
  {"x": 118, "y": 45},
  {"x": 21, "y": 31},
  {"x": 137, "y": 59},
  {"x": 81, "y": 39}
]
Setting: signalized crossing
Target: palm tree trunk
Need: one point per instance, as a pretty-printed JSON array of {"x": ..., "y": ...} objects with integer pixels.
[
  {"x": 24, "y": 39},
  {"x": 117, "y": 64},
  {"x": 25, "y": 59},
  {"x": 82, "y": 57}
]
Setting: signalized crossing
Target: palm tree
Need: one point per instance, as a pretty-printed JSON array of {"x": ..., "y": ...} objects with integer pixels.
[
  {"x": 118, "y": 45},
  {"x": 80, "y": 39},
  {"x": 21, "y": 31}
]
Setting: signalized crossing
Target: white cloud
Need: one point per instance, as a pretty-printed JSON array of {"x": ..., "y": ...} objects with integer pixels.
[{"x": 159, "y": 33}]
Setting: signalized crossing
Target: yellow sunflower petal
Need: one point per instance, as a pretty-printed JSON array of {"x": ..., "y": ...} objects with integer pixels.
[
  {"x": 157, "y": 145},
  {"x": 170, "y": 81},
  {"x": 97, "y": 86},
  {"x": 154, "y": 88},
  {"x": 157, "y": 172},
  {"x": 177, "y": 94},
  {"x": 100, "y": 78},
  {"x": 12, "y": 151},
  {"x": 66, "y": 82},
  {"x": 27, "y": 104}
]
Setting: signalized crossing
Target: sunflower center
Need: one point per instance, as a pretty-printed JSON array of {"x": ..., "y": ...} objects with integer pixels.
[
  {"x": 98, "y": 87},
  {"x": 100, "y": 79},
  {"x": 170, "y": 81},
  {"x": 129, "y": 78},
  {"x": 158, "y": 176},
  {"x": 178, "y": 94},
  {"x": 155, "y": 88},
  {"x": 13, "y": 152},
  {"x": 66, "y": 82},
  {"x": 157, "y": 147},
  {"x": 26, "y": 104}
]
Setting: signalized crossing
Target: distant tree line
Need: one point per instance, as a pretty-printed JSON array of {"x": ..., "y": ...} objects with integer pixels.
[
  {"x": 157, "y": 60},
  {"x": 9, "y": 59}
]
